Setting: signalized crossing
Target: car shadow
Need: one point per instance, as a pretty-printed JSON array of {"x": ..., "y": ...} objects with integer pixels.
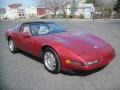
[
  {"x": 67, "y": 72},
  {"x": 32, "y": 57}
]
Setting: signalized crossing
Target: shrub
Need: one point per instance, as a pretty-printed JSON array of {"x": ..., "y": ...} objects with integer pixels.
[
  {"x": 70, "y": 16},
  {"x": 44, "y": 17},
  {"x": 81, "y": 16}
]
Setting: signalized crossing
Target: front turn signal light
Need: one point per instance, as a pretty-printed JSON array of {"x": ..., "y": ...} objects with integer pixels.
[{"x": 68, "y": 61}]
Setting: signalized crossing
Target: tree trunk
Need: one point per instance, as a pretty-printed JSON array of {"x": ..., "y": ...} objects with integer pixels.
[{"x": 54, "y": 16}]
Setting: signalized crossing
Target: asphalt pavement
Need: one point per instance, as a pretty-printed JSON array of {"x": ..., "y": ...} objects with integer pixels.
[{"x": 22, "y": 71}]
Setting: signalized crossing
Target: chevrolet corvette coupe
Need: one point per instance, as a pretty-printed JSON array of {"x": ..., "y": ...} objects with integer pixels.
[{"x": 59, "y": 49}]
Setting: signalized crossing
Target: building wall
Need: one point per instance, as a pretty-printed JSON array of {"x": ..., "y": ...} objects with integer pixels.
[
  {"x": 31, "y": 12},
  {"x": 15, "y": 13},
  {"x": 83, "y": 9},
  {"x": 41, "y": 11}
]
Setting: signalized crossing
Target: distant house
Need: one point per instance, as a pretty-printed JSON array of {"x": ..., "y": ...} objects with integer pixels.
[
  {"x": 41, "y": 11},
  {"x": 15, "y": 11},
  {"x": 31, "y": 12},
  {"x": 84, "y": 9}
]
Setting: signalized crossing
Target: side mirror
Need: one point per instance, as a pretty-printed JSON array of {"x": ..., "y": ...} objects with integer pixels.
[{"x": 26, "y": 34}]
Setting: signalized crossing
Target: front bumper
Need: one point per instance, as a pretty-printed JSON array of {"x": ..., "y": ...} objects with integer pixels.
[{"x": 102, "y": 62}]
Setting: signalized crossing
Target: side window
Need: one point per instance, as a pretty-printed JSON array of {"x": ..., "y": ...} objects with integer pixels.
[
  {"x": 25, "y": 28},
  {"x": 43, "y": 30},
  {"x": 39, "y": 29}
]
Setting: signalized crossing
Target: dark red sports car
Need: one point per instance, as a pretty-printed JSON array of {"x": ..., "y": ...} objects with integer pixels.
[{"x": 59, "y": 49}]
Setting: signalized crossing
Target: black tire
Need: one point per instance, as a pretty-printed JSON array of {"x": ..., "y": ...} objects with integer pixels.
[
  {"x": 12, "y": 49},
  {"x": 58, "y": 66}
]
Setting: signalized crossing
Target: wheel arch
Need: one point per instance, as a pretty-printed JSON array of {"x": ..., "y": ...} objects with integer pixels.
[
  {"x": 9, "y": 37},
  {"x": 47, "y": 46}
]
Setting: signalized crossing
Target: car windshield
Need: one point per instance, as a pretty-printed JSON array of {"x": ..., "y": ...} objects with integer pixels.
[{"x": 45, "y": 28}]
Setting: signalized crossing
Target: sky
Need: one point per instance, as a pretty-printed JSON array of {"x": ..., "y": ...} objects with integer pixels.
[{"x": 25, "y": 3}]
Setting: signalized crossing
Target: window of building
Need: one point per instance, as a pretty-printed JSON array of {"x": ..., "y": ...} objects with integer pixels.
[{"x": 19, "y": 14}]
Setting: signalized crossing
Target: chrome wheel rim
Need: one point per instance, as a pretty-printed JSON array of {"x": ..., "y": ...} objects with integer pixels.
[
  {"x": 50, "y": 61},
  {"x": 11, "y": 45}
]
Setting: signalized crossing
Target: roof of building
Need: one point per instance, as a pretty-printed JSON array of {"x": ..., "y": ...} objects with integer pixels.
[
  {"x": 14, "y": 6},
  {"x": 87, "y": 5}
]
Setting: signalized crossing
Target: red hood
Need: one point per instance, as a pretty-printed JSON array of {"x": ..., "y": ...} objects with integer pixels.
[{"x": 79, "y": 42}]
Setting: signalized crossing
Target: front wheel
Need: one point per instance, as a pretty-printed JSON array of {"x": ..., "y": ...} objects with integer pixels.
[
  {"x": 51, "y": 61},
  {"x": 12, "y": 46}
]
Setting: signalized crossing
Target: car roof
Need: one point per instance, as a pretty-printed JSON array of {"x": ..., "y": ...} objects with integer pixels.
[{"x": 34, "y": 22}]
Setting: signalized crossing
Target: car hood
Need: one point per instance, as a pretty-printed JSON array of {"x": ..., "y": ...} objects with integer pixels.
[{"x": 79, "y": 42}]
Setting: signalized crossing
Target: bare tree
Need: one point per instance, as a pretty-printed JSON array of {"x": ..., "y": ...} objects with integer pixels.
[
  {"x": 74, "y": 6},
  {"x": 53, "y": 5},
  {"x": 64, "y": 7},
  {"x": 106, "y": 7}
]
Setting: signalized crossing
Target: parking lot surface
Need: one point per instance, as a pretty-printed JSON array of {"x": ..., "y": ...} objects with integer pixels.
[{"x": 22, "y": 71}]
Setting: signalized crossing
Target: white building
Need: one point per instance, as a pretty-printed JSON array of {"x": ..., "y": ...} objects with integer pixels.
[
  {"x": 31, "y": 12},
  {"x": 15, "y": 11},
  {"x": 83, "y": 8}
]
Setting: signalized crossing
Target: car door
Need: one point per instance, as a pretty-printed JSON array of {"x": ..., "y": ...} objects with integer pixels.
[
  {"x": 37, "y": 40},
  {"x": 25, "y": 38}
]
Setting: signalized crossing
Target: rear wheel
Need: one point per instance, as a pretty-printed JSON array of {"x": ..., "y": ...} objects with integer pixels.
[
  {"x": 51, "y": 61},
  {"x": 12, "y": 46}
]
